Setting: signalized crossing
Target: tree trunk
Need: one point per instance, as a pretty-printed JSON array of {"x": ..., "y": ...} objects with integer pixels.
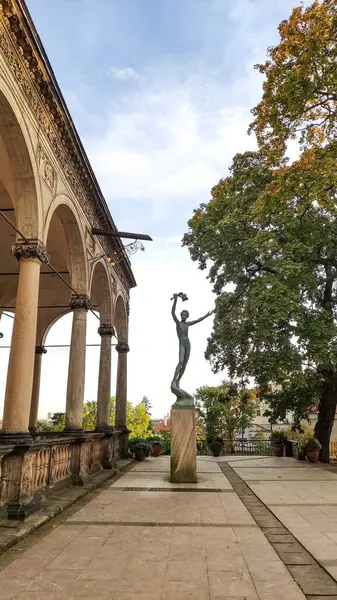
[{"x": 326, "y": 414}]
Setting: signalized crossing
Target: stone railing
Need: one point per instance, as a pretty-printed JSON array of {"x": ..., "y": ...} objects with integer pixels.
[{"x": 30, "y": 468}]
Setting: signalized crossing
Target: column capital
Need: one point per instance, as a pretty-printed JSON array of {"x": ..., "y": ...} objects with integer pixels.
[
  {"x": 122, "y": 348},
  {"x": 80, "y": 302},
  {"x": 40, "y": 350},
  {"x": 31, "y": 249},
  {"x": 106, "y": 330}
]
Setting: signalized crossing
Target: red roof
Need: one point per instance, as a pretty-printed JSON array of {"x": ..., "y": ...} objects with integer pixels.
[{"x": 162, "y": 426}]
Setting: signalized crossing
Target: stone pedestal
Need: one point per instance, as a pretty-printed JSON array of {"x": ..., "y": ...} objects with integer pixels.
[{"x": 183, "y": 446}]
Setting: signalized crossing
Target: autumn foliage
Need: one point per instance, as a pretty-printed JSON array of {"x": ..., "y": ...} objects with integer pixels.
[{"x": 268, "y": 236}]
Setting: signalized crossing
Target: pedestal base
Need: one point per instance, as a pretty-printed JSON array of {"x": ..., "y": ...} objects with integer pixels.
[{"x": 183, "y": 446}]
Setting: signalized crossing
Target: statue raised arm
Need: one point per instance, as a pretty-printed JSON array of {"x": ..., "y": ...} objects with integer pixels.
[{"x": 210, "y": 312}]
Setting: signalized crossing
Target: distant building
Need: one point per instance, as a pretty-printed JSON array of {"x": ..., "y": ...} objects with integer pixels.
[{"x": 161, "y": 424}]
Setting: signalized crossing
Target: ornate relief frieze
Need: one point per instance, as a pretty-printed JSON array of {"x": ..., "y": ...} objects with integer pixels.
[
  {"x": 29, "y": 72},
  {"x": 90, "y": 243},
  {"x": 45, "y": 169}
]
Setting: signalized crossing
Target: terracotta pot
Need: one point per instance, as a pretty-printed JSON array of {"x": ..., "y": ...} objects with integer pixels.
[
  {"x": 215, "y": 449},
  {"x": 313, "y": 455},
  {"x": 278, "y": 449},
  {"x": 139, "y": 456},
  {"x": 156, "y": 449},
  {"x": 301, "y": 455}
]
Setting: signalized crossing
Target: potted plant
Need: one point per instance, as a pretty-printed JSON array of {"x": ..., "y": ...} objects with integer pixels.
[
  {"x": 216, "y": 446},
  {"x": 156, "y": 445},
  {"x": 278, "y": 439},
  {"x": 313, "y": 447},
  {"x": 302, "y": 442},
  {"x": 141, "y": 449}
]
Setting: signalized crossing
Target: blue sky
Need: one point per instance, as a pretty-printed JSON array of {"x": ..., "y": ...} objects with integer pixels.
[
  {"x": 143, "y": 76},
  {"x": 161, "y": 92}
]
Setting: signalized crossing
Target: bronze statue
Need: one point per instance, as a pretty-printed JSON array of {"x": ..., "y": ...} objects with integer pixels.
[{"x": 183, "y": 398}]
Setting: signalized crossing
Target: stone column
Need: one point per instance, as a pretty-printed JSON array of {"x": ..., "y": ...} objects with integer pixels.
[
  {"x": 76, "y": 373},
  {"x": 21, "y": 359},
  {"x": 34, "y": 405},
  {"x": 121, "y": 397},
  {"x": 121, "y": 387},
  {"x": 104, "y": 379}
]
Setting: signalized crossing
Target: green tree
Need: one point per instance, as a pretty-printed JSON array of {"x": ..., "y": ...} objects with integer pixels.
[
  {"x": 58, "y": 420},
  {"x": 147, "y": 404},
  {"x": 228, "y": 410},
  {"x": 137, "y": 419},
  {"x": 140, "y": 422},
  {"x": 269, "y": 241},
  {"x": 300, "y": 102},
  {"x": 89, "y": 416},
  {"x": 299, "y": 91},
  {"x": 148, "y": 407}
]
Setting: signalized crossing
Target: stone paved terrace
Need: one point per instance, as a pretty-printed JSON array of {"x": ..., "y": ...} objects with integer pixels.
[{"x": 143, "y": 538}]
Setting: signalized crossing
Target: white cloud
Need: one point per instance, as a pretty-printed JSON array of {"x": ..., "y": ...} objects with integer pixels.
[
  {"x": 168, "y": 142},
  {"x": 165, "y": 143},
  {"x": 123, "y": 74}
]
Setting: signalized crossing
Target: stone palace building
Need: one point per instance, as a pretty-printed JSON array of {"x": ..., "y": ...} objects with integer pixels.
[{"x": 50, "y": 264}]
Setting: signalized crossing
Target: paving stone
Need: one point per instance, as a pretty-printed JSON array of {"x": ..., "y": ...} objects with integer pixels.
[
  {"x": 277, "y": 530},
  {"x": 297, "y": 558},
  {"x": 280, "y": 539},
  {"x": 292, "y": 547},
  {"x": 312, "y": 579},
  {"x": 142, "y": 545},
  {"x": 321, "y": 597}
]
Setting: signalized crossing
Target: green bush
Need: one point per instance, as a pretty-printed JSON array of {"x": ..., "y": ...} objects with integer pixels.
[
  {"x": 140, "y": 446},
  {"x": 278, "y": 437},
  {"x": 313, "y": 444}
]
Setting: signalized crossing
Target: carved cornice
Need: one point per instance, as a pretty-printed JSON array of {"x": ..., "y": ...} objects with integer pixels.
[
  {"x": 106, "y": 330},
  {"x": 122, "y": 348},
  {"x": 80, "y": 302},
  {"x": 31, "y": 249},
  {"x": 26, "y": 58}
]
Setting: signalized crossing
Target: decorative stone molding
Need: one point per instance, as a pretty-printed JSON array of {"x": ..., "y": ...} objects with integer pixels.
[
  {"x": 45, "y": 168},
  {"x": 24, "y": 59},
  {"x": 122, "y": 348},
  {"x": 113, "y": 284},
  {"x": 40, "y": 350},
  {"x": 106, "y": 330},
  {"x": 80, "y": 302},
  {"x": 31, "y": 249},
  {"x": 90, "y": 243},
  {"x": 128, "y": 308}
]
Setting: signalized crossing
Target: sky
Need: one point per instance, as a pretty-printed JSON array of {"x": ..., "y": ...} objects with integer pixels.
[{"x": 160, "y": 92}]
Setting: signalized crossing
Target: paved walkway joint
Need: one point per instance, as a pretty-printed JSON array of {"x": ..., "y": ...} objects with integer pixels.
[
  {"x": 141, "y": 538},
  {"x": 306, "y": 571}
]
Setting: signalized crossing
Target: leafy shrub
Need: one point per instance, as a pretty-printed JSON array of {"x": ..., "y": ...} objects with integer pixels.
[{"x": 278, "y": 437}]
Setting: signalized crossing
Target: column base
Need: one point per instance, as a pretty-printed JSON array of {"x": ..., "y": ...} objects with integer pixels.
[
  {"x": 123, "y": 442},
  {"x": 18, "y": 438},
  {"x": 70, "y": 431},
  {"x": 22, "y": 510},
  {"x": 34, "y": 431},
  {"x": 183, "y": 446},
  {"x": 104, "y": 429}
]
